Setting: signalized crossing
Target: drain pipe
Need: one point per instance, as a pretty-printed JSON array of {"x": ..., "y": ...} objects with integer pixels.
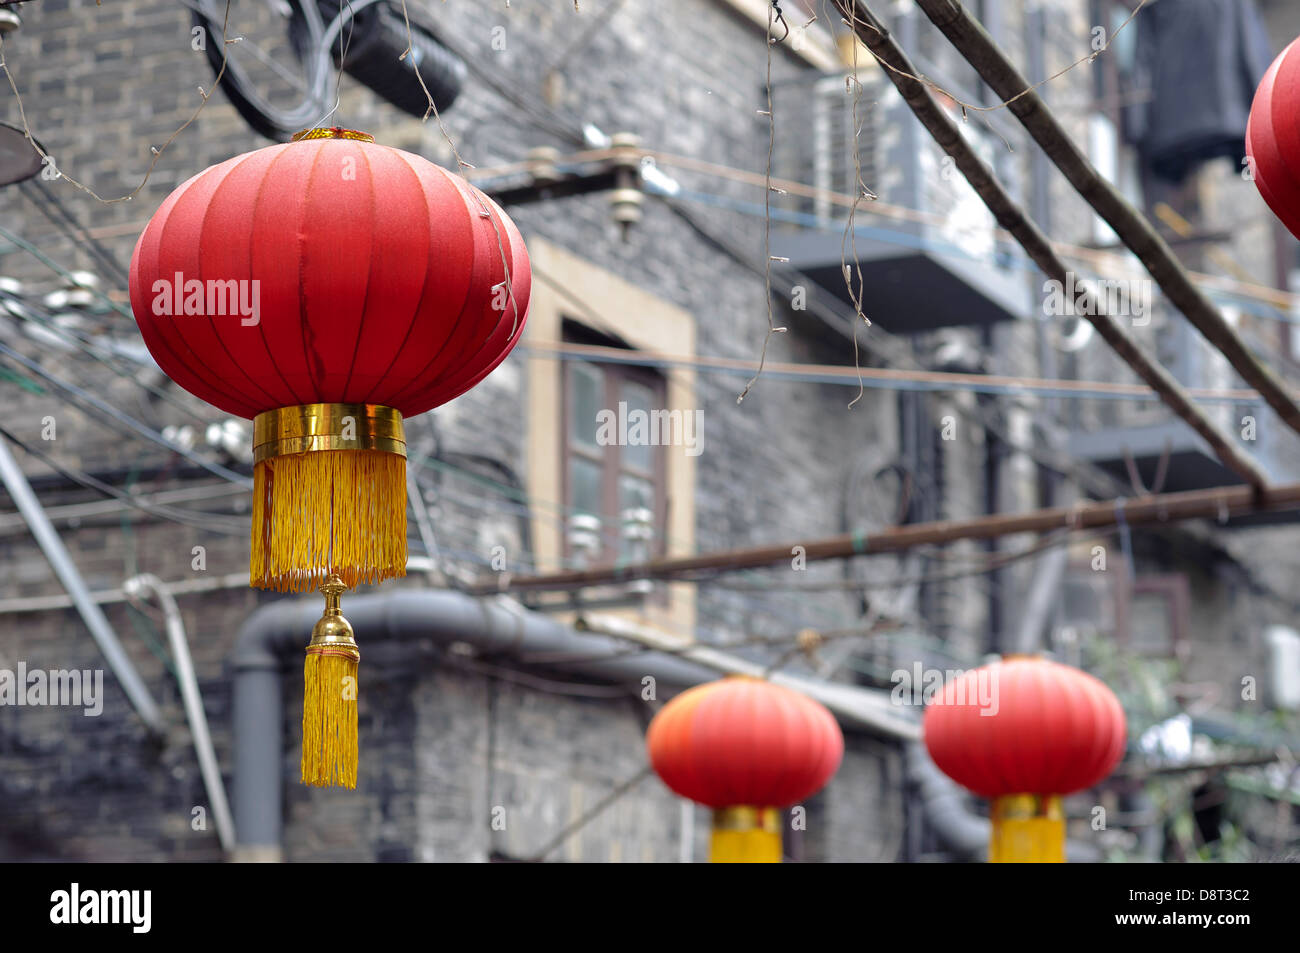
[
  {"x": 137, "y": 587},
  {"x": 280, "y": 630},
  {"x": 25, "y": 499},
  {"x": 959, "y": 829},
  {"x": 1044, "y": 595}
]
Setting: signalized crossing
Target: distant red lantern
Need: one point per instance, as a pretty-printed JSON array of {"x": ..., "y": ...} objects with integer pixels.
[
  {"x": 1273, "y": 137},
  {"x": 327, "y": 288},
  {"x": 744, "y": 747},
  {"x": 1025, "y": 731}
]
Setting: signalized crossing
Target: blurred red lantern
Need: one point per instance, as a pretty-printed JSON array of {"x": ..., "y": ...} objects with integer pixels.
[
  {"x": 1023, "y": 732},
  {"x": 744, "y": 747},
  {"x": 327, "y": 288},
  {"x": 1273, "y": 137}
]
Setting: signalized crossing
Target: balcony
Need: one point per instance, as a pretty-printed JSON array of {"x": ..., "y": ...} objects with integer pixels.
[
  {"x": 1110, "y": 433},
  {"x": 927, "y": 248}
]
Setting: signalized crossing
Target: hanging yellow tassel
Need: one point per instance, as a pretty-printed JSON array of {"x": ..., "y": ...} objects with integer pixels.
[
  {"x": 745, "y": 835},
  {"x": 329, "y": 706},
  {"x": 1027, "y": 829},
  {"x": 329, "y": 496}
]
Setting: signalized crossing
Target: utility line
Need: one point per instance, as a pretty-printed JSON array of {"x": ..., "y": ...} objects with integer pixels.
[
  {"x": 53, "y": 208},
  {"x": 884, "y": 378},
  {"x": 132, "y": 425},
  {"x": 209, "y": 521},
  {"x": 44, "y": 319}
]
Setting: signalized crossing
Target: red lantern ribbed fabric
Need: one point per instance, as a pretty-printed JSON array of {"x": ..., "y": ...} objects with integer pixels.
[
  {"x": 379, "y": 279},
  {"x": 1047, "y": 728},
  {"x": 1273, "y": 137},
  {"x": 744, "y": 741}
]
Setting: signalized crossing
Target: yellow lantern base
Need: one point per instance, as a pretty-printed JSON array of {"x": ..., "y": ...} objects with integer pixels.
[
  {"x": 1027, "y": 829},
  {"x": 746, "y": 835}
]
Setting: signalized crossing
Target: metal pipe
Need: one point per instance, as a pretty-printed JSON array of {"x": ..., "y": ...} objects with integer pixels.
[
  {"x": 874, "y": 711},
  {"x": 21, "y": 491},
  {"x": 193, "y": 700},
  {"x": 499, "y": 626},
  {"x": 276, "y": 631},
  {"x": 1043, "y": 597},
  {"x": 957, "y": 827},
  {"x": 1216, "y": 503}
]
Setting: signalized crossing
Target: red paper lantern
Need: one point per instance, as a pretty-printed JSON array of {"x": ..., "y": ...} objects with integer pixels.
[
  {"x": 327, "y": 288},
  {"x": 1273, "y": 137},
  {"x": 744, "y": 747},
  {"x": 1026, "y": 728},
  {"x": 379, "y": 280}
]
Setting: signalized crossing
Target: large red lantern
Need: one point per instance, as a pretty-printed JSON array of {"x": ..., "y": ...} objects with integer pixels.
[
  {"x": 1023, "y": 732},
  {"x": 1273, "y": 137},
  {"x": 745, "y": 748},
  {"x": 327, "y": 288}
]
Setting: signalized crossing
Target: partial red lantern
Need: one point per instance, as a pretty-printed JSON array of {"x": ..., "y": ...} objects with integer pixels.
[
  {"x": 744, "y": 747},
  {"x": 1025, "y": 725},
  {"x": 1273, "y": 137}
]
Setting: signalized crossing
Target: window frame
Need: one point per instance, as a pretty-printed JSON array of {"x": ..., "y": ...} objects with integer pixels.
[{"x": 610, "y": 458}]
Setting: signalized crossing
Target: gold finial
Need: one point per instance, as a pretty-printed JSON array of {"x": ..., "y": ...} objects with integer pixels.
[{"x": 332, "y": 633}]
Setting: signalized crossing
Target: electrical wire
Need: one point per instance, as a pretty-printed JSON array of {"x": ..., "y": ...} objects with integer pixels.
[
  {"x": 25, "y": 310},
  {"x": 62, "y": 218},
  {"x": 121, "y": 420},
  {"x": 207, "y": 521}
]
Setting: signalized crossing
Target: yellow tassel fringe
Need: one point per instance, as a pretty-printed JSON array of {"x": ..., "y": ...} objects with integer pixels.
[
  {"x": 329, "y": 719},
  {"x": 328, "y": 511}
]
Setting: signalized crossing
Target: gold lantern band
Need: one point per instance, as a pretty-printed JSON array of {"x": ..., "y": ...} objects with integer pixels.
[
  {"x": 329, "y": 496},
  {"x": 746, "y": 835},
  {"x": 309, "y": 427},
  {"x": 1027, "y": 829}
]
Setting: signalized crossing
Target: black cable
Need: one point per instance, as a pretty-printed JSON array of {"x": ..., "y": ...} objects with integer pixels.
[
  {"x": 48, "y": 203},
  {"x": 208, "y": 521},
  {"x": 133, "y": 426},
  {"x": 44, "y": 319}
]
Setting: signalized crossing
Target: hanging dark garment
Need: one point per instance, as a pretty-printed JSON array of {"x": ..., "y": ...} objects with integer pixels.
[{"x": 1202, "y": 61}]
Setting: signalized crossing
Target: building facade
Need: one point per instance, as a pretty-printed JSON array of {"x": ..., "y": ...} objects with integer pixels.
[{"x": 469, "y": 755}]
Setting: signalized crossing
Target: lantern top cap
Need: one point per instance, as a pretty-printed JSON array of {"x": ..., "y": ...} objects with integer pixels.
[{"x": 332, "y": 132}]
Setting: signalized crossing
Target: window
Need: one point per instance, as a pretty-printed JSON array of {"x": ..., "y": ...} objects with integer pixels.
[
  {"x": 1153, "y": 617},
  {"x": 613, "y": 469},
  {"x": 613, "y": 313}
]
